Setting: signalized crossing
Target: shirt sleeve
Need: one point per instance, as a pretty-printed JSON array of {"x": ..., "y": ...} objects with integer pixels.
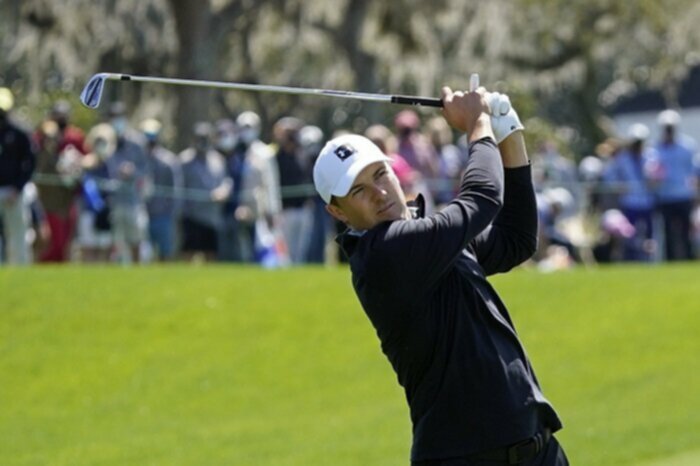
[
  {"x": 420, "y": 251},
  {"x": 512, "y": 238},
  {"x": 27, "y": 161}
]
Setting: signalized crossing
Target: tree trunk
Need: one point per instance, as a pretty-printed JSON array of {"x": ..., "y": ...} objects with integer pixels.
[
  {"x": 196, "y": 60},
  {"x": 348, "y": 36}
]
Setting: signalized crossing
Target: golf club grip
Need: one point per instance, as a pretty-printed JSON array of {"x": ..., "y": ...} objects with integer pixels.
[{"x": 413, "y": 100}]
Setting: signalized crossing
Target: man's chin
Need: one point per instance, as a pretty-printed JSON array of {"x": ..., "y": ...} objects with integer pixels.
[{"x": 393, "y": 212}]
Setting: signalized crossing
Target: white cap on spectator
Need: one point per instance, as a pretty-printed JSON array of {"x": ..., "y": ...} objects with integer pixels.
[
  {"x": 248, "y": 118},
  {"x": 638, "y": 132},
  {"x": 340, "y": 161},
  {"x": 668, "y": 118},
  {"x": 6, "y": 100},
  {"x": 150, "y": 126}
]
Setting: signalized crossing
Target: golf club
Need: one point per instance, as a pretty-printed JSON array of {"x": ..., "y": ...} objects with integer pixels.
[{"x": 92, "y": 93}]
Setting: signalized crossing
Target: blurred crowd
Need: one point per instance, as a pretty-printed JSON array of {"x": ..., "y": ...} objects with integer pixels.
[
  {"x": 635, "y": 199},
  {"x": 118, "y": 193}
]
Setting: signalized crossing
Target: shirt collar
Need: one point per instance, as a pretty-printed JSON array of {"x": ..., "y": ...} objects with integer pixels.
[{"x": 349, "y": 238}]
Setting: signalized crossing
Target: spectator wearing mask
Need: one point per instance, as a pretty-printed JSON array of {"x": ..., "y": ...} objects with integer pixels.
[
  {"x": 17, "y": 163},
  {"x": 413, "y": 146},
  {"x": 226, "y": 143},
  {"x": 207, "y": 187},
  {"x": 294, "y": 178},
  {"x": 164, "y": 193},
  {"x": 260, "y": 201},
  {"x": 127, "y": 167},
  {"x": 451, "y": 160},
  {"x": 94, "y": 236},
  {"x": 60, "y": 148}
]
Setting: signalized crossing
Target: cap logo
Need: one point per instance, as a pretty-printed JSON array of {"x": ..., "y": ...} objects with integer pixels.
[{"x": 344, "y": 151}]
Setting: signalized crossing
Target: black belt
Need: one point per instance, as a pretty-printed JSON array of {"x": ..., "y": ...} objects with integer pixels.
[{"x": 519, "y": 452}]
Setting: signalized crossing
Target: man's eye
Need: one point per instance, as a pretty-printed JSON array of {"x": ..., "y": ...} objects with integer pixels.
[{"x": 356, "y": 192}]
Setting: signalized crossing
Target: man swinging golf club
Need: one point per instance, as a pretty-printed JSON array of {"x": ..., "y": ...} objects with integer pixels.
[{"x": 473, "y": 396}]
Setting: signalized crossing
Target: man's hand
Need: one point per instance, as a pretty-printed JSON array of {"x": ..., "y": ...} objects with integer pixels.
[
  {"x": 508, "y": 131},
  {"x": 467, "y": 112},
  {"x": 221, "y": 193},
  {"x": 504, "y": 118}
]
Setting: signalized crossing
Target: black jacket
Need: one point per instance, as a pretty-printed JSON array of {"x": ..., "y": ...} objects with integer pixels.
[
  {"x": 17, "y": 158},
  {"x": 447, "y": 334}
]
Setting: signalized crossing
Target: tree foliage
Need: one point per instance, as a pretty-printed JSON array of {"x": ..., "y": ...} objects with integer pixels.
[{"x": 563, "y": 62}]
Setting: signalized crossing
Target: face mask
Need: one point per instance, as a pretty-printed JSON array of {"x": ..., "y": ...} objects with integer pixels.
[
  {"x": 201, "y": 145},
  {"x": 248, "y": 135},
  {"x": 227, "y": 142},
  {"x": 119, "y": 125},
  {"x": 405, "y": 132}
]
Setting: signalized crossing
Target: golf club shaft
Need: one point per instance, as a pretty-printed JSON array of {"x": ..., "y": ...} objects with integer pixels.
[{"x": 89, "y": 91}]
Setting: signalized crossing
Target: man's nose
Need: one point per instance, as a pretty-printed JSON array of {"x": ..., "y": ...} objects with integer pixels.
[{"x": 378, "y": 191}]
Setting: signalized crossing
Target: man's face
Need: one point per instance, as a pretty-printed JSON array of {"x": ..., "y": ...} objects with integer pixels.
[
  {"x": 669, "y": 133},
  {"x": 375, "y": 197}
]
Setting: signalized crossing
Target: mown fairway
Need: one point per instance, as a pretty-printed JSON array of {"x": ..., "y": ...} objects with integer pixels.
[{"x": 241, "y": 366}]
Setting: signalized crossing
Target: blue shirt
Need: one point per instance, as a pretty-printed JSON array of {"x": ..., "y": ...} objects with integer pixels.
[
  {"x": 676, "y": 172},
  {"x": 628, "y": 176},
  {"x": 129, "y": 190}
]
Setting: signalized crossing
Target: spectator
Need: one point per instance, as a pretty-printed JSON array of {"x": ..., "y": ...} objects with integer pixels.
[
  {"x": 226, "y": 143},
  {"x": 207, "y": 188},
  {"x": 628, "y": 175},
  {"x": 39, "y": 233},
  {"x": 553, "y": 204},
  {"x": 94, "y": 225},
  {"x": 296, "y": 214},
  {"x": 552, "y": 170},
  {"x": 451, "y": 160},
  {"x": 591, "y": 171},
  {"x": 675, "y": 175},
  {"x": 311, "y": 138},
  {"x": 413, "y": 146},
  {"x": 615, "y": 232},
  {"x": 406, "y": 174},
  {"x": 17, "y": 162},
  {"x": 260, "y": 203},
  {"x": 410, "y": 179},
  {"x": 164, "y": 196},
  {"x": 60, "y": 148},
  {"x": 127, "y": 166}
]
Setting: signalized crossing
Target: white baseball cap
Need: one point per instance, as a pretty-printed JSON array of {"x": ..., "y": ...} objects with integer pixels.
[
  {"x": 638, "y": 132},
  {"x": 6, "y": 100},
  {"x": 340, "y": 161},
  {"x": 668, "y": 118}
]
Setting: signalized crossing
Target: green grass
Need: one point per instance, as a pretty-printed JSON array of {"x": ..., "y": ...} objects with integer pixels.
[{"x": 223, "y": 365}]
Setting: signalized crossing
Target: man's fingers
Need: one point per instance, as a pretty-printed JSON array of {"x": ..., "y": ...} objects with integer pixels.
[{"x": 446, "y": 92}]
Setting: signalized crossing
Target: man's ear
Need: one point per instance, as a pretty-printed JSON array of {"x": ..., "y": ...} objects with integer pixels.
[{"x": 337, "y": 213}]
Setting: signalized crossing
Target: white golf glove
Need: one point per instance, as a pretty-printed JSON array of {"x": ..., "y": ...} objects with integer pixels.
[{"x": 504, "y": 118}]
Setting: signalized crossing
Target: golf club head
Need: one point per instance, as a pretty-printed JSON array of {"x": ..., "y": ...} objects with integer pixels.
[{"x": 92, "y": 93}]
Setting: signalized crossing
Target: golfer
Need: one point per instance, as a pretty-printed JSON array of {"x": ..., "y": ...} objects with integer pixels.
[{"x": 473, "y": 396}]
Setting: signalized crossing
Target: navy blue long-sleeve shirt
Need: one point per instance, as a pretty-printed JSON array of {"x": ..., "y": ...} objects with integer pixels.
[
  {"x": 422, "y": 283},
  {"x": 17, "y": 158}
]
